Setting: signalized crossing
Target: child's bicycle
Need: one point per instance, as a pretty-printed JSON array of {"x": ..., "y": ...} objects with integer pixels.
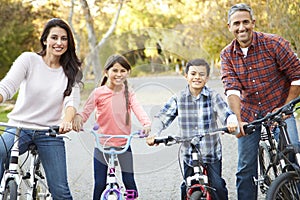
[
  {"x": 25, "y": 179},
  {"x": 197, "y": 184},
  {"x": 114, "y": 189}
]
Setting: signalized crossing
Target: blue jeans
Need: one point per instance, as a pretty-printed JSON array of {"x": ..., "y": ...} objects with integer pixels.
[
  {"x": 214, "y": 172},
  {"x": 52, "y": 154},
  {"x": 247, "y": 160},
  {"x": 100, "y": 172}
]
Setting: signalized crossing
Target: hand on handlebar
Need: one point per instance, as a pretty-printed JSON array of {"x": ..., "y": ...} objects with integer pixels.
[
  {"x": 242, "y": 132},
  {"x": 146, "y": 130},
  {"x": 150, "y": 140},
  {"x": 65, "y": 127},
  {"x": 77, "y": 123}
]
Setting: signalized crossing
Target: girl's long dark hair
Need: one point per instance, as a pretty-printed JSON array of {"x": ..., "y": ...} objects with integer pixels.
[
  {"x": 113, "y": 59},
  {"x": 69, "y": 60}
]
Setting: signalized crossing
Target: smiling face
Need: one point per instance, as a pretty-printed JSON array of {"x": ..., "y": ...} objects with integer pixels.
[
  {"x": 56, "y": 42},
  {"x": 117, "y": 74},
  {"x": 197, "y": 77},
  {"x": 241, "y": 26}
]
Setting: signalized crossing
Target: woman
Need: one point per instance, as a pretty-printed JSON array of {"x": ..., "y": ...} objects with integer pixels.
[{"x": 49, "y": 94}]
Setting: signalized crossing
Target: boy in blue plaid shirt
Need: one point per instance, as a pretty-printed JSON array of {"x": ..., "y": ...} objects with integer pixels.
[{"x": 198, "y": 108}]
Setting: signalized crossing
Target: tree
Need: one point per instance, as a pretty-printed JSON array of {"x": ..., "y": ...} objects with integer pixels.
[{"x": 16, "y": 33}]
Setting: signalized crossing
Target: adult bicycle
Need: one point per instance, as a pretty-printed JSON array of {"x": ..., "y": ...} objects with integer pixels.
[
  {"x": 25, "y": 179},
  {"x": 284, "y": 157},
  {"x": 114, "y": 189},
  {"x": 198, "y": 187}
]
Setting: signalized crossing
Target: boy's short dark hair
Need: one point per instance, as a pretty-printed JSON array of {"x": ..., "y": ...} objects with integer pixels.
[{"x": 197, "y": 62}]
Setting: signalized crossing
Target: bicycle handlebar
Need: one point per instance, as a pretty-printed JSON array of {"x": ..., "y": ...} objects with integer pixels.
[
  {"x": 114, "y": 149},
  {"x": 287, "y": 109},
  {"x": 176, "y": 139},
  {"x": 52, "y": 131}
]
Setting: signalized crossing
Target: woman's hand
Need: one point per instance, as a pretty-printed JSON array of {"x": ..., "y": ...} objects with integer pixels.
[{"x": 65, "y": 127}]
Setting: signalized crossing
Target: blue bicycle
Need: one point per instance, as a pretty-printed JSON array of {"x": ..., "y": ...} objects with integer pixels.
[{"x": 114, "y": 190}]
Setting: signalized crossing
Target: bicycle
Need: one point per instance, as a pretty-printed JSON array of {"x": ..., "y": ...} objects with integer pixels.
[
  {"x": 114, "y": 189},
  {"x": 198, "y": 187},
  {"x": 25, "y": 179},
  {"x": 286, "y": 171}
]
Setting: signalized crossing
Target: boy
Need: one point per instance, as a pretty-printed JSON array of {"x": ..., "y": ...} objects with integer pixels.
[{"x": 198, "y": 108}]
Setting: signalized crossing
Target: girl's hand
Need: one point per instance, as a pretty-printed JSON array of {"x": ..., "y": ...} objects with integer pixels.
[
  {"x": 77, "y": 123},
  {"x": 146, "y": 130}
]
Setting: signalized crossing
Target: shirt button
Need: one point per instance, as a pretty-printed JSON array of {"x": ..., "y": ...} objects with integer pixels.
[
  {"x": 259, "y": 103},
  {"x": 255, "y": 115},
  {"x": 253, "y": 81},
  {"x": 256, "y": 93}
]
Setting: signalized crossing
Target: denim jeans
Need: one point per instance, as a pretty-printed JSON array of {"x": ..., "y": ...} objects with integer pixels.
[
  {"x": 52, "y": 154},
  {"x": 214, "y": 172},
  {"x": 100, "y": 172},
  {"x": 247, "y": 160}
]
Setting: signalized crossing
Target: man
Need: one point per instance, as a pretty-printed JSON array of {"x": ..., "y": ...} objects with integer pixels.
[{"x": 260, "y": 73}]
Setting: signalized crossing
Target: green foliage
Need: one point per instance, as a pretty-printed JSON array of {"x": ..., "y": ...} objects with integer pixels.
[{"x": 16, "y": 33}]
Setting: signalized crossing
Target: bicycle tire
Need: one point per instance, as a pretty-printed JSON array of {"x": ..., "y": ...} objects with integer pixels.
[
  {"x": 285, "y": 187},
  {"x": 265, "y": 158},
  {"x": 11, "y": 191},
  {"x": 111, "y": 194},
  {"x": 196, "y": 195}
]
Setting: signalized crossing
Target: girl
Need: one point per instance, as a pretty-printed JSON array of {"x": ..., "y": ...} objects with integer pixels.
[{"x": 113, "y": 102}]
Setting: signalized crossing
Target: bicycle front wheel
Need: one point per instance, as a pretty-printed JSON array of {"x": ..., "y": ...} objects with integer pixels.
[
  {"x": 196, "y": 195},
  {"x": 111, "y": 194},
  {"x": 11, "y": 191},
  {"x": 265, "y": 172},
  {"x": 41, "y": 190},
  {"x": 285, "y": 187}
]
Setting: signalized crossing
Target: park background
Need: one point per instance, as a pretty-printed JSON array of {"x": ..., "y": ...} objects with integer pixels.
[{"x": 157, "y": 37}]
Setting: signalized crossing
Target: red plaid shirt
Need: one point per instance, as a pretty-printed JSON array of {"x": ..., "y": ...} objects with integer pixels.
[{"x": 263, "y": 77}]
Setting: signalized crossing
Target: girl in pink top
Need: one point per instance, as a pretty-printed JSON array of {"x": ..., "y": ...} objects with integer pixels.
[{"x": 113, "y": 102}]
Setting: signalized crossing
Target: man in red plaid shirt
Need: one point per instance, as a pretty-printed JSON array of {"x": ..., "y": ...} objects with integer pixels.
[{"x": 260, "y": 73}]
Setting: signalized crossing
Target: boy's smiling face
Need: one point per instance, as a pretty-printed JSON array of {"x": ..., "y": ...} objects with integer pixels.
[{"x": 196, "y": 78}]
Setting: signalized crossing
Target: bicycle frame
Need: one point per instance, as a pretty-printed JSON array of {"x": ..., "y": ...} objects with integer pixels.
[
  {"x": 198, "y": 183},
  {"x": 113, "y": 186},
  {"x": 15, "y": 176}
]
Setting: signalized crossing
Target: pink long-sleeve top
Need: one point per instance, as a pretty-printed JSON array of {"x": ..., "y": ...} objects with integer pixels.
[{"x": 111, "y": 112}]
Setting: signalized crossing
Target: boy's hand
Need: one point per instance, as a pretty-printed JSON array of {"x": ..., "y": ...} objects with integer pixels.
[
  {"x": 233, "y": 125},
  {"x": 150, "y": 140}
]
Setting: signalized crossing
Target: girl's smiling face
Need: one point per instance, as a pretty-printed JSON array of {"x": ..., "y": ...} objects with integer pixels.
[
  {"x": 117, "y": 74},
  {"x": 197, "y": 78}
]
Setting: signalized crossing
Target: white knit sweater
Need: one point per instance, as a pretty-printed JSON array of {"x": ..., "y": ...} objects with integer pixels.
[{"x": 40, "y": 101}]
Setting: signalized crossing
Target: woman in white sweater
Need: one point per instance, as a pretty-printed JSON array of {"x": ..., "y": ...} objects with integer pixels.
[{"x": 49, "y": 94}]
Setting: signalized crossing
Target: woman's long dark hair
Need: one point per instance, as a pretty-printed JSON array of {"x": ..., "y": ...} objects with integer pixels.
[
  {"x": 113, "y": 59},
  {"x": 69, "y": 60}
]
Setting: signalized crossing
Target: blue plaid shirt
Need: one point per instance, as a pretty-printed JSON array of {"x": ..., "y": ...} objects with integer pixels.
[{"x": 196, "y": 116}]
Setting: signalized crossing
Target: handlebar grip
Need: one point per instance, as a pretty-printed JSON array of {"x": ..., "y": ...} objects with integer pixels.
[
  {"x": 164, "y": 140},
  {"x": 249, "y": 128}
]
